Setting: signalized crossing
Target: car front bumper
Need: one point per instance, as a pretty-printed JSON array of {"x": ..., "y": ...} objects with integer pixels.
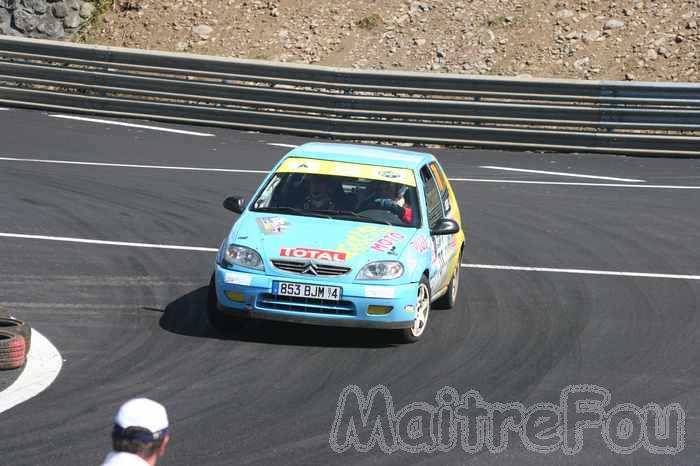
[{"x": 249, "y": 294}]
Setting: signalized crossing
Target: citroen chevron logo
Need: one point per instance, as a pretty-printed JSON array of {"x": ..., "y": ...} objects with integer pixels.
[{"x": 310, "y": 269}]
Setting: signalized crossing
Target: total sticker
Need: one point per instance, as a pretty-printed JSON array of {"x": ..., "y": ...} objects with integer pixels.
[{"x": 320, "y": 254}]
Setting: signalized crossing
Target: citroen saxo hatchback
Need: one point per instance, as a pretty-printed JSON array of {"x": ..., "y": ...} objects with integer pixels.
[{"x": 342, "y": 235}]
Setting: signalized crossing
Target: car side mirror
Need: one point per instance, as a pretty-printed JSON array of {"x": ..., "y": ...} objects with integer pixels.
[
  {"x": 235, "y": 204},
  {"x": 445, "y": 226}
]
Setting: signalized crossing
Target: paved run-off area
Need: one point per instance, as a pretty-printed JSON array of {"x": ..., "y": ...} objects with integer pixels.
[{"x": 129, "y": 320}]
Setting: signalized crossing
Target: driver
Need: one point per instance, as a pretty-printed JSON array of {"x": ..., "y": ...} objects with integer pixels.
[
  {"x": 389, "y": 196},
  {"x": 320, "y": 193}
]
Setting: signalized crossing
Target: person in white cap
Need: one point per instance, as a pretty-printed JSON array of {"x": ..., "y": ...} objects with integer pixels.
[{"x": 140, "y": 434}]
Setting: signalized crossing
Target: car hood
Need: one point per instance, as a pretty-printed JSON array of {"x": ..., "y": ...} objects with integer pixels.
[{"x": 332, "y": 241}]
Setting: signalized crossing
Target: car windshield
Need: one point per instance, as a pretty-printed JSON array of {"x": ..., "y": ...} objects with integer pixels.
[{"x": 340, "y": 197}]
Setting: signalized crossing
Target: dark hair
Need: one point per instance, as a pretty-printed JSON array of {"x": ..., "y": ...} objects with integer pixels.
[{"x": 136, "y": 440}]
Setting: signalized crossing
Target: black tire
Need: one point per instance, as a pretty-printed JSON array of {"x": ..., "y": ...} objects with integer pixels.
[
  {"x": 449, "y": 299},
  {"x": 13, "y": 352},
  {"x": 217, "y": 319},
  {"x": 412, "y": 335},
  {"x": 17, "y": 327}
]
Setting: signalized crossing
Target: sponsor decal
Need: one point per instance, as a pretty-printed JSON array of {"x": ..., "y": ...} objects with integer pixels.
[
  {"x": 347, "y": 170},
  {"x": 441, "y": 246},
  {"x": 272, "y": 225},
  {"x": 442, "y": 250},
  {"x": 420, "y": 244},
  {"x": 330, "y": 167},
  {"x": 387, "y": 242},
  {"x": 359, "y": 239},
  {"x": 392, "y": 175},
  {"x": 304, "y": 165},
  {"x": 318, "y": 254}
]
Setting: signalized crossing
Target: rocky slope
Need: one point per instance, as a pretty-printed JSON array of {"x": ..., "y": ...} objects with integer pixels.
[
  {"x": 44, "y": 19},
  {"x": 587, "y": 39}
]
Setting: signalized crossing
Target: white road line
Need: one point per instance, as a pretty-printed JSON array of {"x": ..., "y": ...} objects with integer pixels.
[
  {"x": 582, "y": 271},
  {"x": 130, "y": 125},
  {"x": 107, "y": 243},
  {"x": 279, "y": 144},
  {"x": 574, "y": 175},
  {"x": 3, "y": 108},
  {"x": 470, "y": 266},
  {"x": 566, "y": 183},
  {"x": 44, "y": 362},
  {"x": 133, "y": 165},
  {"x": 264, "y": 172}
]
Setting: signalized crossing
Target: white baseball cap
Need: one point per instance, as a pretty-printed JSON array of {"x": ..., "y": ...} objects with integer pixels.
[{"x": 142, "y": 412}]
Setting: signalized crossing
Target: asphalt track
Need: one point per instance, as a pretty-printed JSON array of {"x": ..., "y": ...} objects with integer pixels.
[{"x": 129, "y": 321}]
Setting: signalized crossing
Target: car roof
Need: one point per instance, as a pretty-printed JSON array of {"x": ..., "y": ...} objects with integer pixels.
[{"x": 356, "y": 153}]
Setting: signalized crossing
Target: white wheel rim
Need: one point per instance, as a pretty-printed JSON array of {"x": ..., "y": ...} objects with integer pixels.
[
  {"x": 422, "y": 310},
  {"x": 455, "y": 283}
]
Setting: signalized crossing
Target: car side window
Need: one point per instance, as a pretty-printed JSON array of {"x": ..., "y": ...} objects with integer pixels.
[
  {"x": 442, "y": 187},
  {"x": 432, "y": 196},
  {"x": 266, "y": 197}
]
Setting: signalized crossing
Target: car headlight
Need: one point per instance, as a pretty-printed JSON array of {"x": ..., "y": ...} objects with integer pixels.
[
  {"x": 381, "y": 270},
  {"x": 243, "y": 256}
]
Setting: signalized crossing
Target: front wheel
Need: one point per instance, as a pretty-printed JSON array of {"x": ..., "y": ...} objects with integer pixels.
[{"x": 413, "y": 334}]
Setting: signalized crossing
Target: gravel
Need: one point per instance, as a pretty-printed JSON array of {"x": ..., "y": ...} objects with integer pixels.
[{"x": 596, "y": 39}]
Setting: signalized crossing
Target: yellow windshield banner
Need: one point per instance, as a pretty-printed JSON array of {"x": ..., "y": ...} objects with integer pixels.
[{"x": 358, "y": 170}]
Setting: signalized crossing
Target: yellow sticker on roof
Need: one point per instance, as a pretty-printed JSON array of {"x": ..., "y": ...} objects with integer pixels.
[{"x": 358, "y": 170}]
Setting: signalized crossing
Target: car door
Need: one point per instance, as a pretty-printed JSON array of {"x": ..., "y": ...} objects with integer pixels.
[
  {"x": 435, "y": 212},
  {"x": 447, "y": 247}
]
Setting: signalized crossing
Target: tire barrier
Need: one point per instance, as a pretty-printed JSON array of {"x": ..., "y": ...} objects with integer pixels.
[
  {"x": 13, "y": 353},
  {"x": 18, "y": 327}
]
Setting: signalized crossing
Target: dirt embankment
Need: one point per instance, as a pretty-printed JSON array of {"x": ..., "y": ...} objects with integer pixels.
[{"x": 585, "y": 39}]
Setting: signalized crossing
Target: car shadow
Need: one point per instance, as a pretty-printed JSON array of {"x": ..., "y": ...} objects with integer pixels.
[{"x": 187, "y": 316}]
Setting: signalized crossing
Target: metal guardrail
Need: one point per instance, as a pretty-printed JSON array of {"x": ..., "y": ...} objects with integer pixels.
[{"x": 566, "y": 115}]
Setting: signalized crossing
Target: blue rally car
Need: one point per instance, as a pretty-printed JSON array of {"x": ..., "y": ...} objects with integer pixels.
[{"x": 342, "y": 235}]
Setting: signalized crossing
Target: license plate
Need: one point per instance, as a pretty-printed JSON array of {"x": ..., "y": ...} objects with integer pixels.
[{"x": 302, "y": 290}]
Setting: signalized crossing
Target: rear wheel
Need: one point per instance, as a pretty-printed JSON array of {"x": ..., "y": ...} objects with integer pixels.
[
  {"x": 413, "y": 334},
  {"x": 217, "y": 319},
  {"x": 449, "y": 299}
]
